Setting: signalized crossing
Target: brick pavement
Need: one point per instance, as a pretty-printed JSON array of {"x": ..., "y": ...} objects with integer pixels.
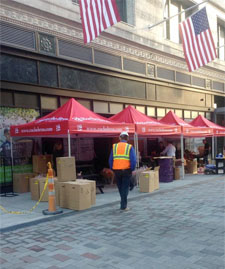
[{"x": 180, "y": 228}]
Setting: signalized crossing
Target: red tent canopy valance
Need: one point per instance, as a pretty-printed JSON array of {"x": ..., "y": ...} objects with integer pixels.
[
  {"x": 187, "y": 129},
  {"x": 145, "y": 125},
  {"x": 201, "y": 121},
  {"x": 74, "y": 118}
]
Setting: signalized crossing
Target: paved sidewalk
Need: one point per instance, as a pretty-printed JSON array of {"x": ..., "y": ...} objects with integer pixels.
[
  {"x": 23, "y": 202},
  {"x": 179, "y": 227}
]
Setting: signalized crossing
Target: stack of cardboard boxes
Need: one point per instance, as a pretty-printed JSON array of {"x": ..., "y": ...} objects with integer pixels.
[
  {"x": 149, "y": 180},
  {"x": 21, "y": 181},
  {"x": 37, "y": 183},
  {"x": 73, "y": 194},
  {"x": 70, "y": 193}
]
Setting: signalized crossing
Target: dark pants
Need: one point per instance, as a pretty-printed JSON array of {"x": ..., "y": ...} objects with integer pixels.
[
  {"x": 123, "y": 178},
  {"x": 205, "y": 159}
]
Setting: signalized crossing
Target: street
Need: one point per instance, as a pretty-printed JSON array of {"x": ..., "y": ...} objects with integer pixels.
[{"x": 179, "y": 228}]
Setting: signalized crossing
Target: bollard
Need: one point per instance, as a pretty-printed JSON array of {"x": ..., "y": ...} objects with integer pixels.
[{"x": 51, "y": 194}]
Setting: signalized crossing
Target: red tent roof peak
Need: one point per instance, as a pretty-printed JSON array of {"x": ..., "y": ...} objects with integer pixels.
[
  {"x": 203, "y": 122},
  {"x": 72, "y": 110},
  {"x": 172, "y": 119},
  {"x": 132, "y": 115}
]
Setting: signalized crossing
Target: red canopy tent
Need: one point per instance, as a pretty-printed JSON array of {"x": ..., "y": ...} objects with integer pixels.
[
  {"x": 187, "y": 129},
  {"x": 144, "y": 125},
  {"x": 71, "y": 118},
  {"x": 202, "y": 122}
]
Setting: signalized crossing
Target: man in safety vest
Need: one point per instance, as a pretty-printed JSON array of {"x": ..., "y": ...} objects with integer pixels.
[{"x": 122, "y": 161}]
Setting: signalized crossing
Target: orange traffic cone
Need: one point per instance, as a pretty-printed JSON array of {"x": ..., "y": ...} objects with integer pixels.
[{"x": 51, "y": 194}]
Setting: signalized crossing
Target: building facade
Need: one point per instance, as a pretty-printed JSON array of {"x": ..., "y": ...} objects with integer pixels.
[{"x": 44, "y": 61}]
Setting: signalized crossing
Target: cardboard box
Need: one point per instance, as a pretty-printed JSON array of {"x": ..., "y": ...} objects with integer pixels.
[
  {"x": 21, "y": 182},
  {"x": 63, "y": 195},
  {"x": 41, "y": 182},
  {"x": 79, "y": 195},
  {"x": 37, "y": 188},
  {"x": 75, "y": 195},
  {"x": 177, "y": 173},
  {"x": 191, "y": 167},
  {"x": 34, "y": 188},
  {"x": 93, "y": 189},
  {"x": 66, "y": 169},
  {"x": 147, "y": 181},
  {"x": 40, "y": 163},
  {"x": 45, "y": 195}
]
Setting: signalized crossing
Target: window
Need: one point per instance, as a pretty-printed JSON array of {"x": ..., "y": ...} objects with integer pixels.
[
  {"x": 115, "y": 108},
  {"x": 221, "y": 40},
  {"x": 161, "y": 112},
  {"x": 48, "y": 74},
  {"x": 187, "y": 114},
  {"x": 93, "y": 82},
  {"x": 28, "y": 100},
  {"x": 141, "y": 109},
  {"x": 194, "y": 114},
  {"x": 100, "y": 107},
  {"x": 126, "y": 10},
  {"x": 6, "y": 98},
  {"x": 151, "y": 111},
  {"x": 173, "y": 7},
  {"x": 179, "y": 113},
  {"x": 18, "y": 69},
  {"x": 208, "y": 115},
  {"x": 49, "y": 102}
]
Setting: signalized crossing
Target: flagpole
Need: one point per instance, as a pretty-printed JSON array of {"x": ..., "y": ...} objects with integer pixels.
[{"x": 164, "y": 20}]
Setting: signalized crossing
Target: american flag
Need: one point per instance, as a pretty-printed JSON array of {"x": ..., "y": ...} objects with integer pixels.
[
  {"x": 96, "y": 16},
  {"x": 198, "y": 45}
]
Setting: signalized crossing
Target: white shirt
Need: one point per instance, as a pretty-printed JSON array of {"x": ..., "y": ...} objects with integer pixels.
[{"x": 170, "y": 150}]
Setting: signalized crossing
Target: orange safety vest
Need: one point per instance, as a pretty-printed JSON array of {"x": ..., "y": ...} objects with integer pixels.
[{"x": 121, "y": 156}]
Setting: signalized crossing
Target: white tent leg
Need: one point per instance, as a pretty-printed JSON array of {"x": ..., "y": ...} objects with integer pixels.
[
  {"x": 69, "y": 146},
  {"x": 138, "y": 164},
  {"x": 137, "y": 154},
  {"x": 136, "y": 149},
  {"x": 182, "y": 153},
  {"x": 213, "y": 148}
]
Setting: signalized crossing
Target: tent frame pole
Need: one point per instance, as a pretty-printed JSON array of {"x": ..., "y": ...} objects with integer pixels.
[
  {"x": 182, "y": 153},
  {"x": 213, "y": 147},
  {"x": 136, "y": 148},
  {"x": 69, "y": 145}
]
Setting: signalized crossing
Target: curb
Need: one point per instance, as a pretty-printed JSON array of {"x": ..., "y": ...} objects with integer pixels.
[{"x": 68, "y": 214}]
